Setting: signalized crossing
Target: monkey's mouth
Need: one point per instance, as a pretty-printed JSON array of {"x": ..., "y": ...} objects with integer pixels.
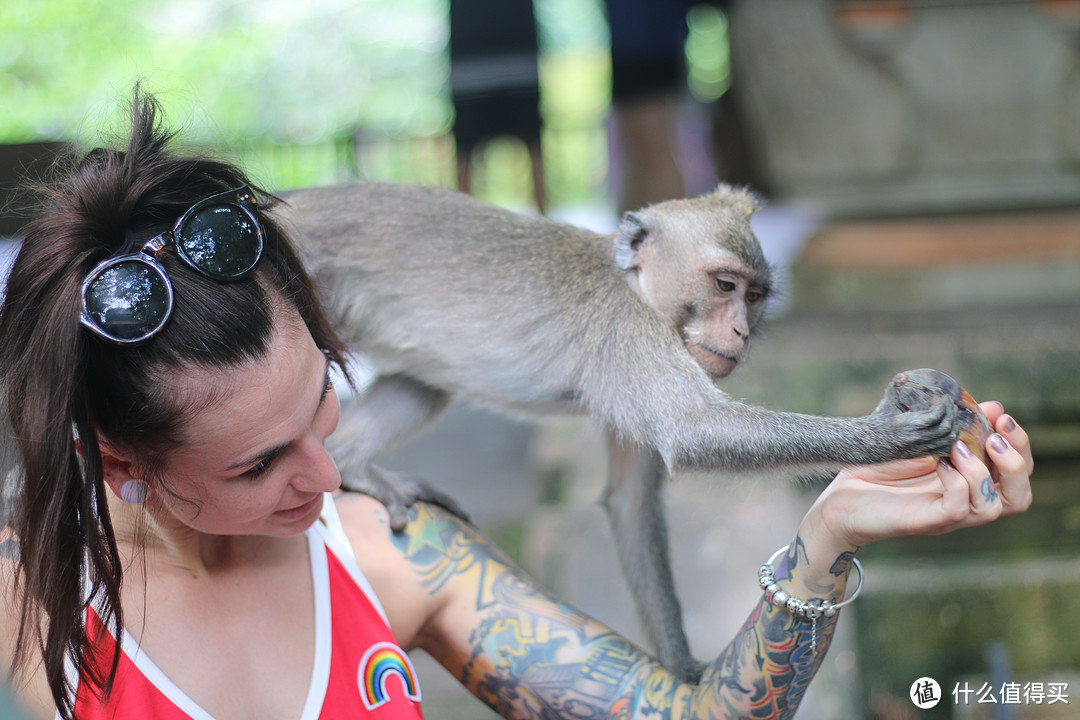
[
  {"x": 716, "y": 364},
  {"x": 717, "y": 353}
]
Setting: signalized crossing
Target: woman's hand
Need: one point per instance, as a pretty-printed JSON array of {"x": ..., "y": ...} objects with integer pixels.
[{"x": 927, "y": 496}]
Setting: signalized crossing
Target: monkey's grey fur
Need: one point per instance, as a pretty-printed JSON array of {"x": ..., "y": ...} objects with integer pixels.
[{"x": 452, "y": 297}]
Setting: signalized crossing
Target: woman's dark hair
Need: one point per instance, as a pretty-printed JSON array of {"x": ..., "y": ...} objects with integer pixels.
[{"x": 64, "y": 388}]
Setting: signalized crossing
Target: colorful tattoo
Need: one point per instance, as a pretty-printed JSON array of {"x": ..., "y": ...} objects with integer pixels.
[
  {"x": 536, "y": 658},
  {"x": 842, "y": 564},
  {"x": 774, "y": 648},
  {"x": 989, "y": 490}
]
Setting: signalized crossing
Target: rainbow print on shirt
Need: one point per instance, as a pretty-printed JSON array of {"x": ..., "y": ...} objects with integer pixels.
[{"x": 381, "y": 661}]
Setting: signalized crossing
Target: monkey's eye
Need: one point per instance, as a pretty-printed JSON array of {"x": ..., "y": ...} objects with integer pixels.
[
  {"x": 725, "y": 286},
  {"x": 754, "y": 296}
]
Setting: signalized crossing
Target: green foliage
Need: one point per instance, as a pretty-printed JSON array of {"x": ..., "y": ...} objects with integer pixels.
[
  {"x": 299, "y": 93},
  {"x": 707, "y": 57},
  {"x": 571, "y": 25},
  {"x": 947, "y": 635},
  {"x": 273, "y": 69}
]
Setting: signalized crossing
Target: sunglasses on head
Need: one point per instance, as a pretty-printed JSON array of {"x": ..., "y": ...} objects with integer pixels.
[{"x": 129, "y": 297}]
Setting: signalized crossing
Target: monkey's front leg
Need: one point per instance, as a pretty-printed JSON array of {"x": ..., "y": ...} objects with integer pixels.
[
  {"x": 633, "y": 499},
  {"x": 391, "y": 411}
]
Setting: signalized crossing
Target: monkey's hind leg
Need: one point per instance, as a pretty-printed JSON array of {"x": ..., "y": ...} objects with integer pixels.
[
  {"x": 633, "y": 500},
  {"x": 391, "y": 411}
]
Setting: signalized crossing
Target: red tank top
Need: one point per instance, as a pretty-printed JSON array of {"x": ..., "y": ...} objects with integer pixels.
[{"x": 359, "y": 669}]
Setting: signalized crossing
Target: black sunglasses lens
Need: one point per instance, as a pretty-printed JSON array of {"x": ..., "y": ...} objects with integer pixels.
[
  {"x": 129, "y": 300},
  {"x": 223, "y": 241}
]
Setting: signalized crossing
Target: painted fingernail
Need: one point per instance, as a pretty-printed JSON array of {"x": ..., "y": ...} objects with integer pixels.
[
  {"x": 1010, "y": 424},
  {"x": 963, "y": 450},
  {"x": 998, "y": 443},
  {"x": 946, "y": 463}
]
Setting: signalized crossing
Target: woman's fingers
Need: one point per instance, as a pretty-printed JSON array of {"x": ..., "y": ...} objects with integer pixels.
[
  {"x": 955, "y": 500},
  {"x": 1013, "y": 471},
  {"x": 1008, "y": 428},
  {"x": 1009, "y": 449},
  {"x": 988, "y": 494},
  {"x": 983, "y": 496},
  {"x": 925, "y": 496}
]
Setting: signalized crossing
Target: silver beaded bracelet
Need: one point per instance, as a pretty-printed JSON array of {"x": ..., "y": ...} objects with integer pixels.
[{"x": 797, "y": 606}]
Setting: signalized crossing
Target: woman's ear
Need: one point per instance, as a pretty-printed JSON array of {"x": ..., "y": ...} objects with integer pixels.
[{"x": 117, "y": 468}]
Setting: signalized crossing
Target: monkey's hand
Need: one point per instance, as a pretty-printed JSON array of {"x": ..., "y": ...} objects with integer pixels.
[
  {"x": 923, "y": 413},
  {"x": 398, "y": 492},
  {"x": 916, "y": 389}
]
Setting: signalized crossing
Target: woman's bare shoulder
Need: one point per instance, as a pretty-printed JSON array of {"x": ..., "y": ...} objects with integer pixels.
[
  {"x": 364, "y": 518},
  {"x": 383, "y": 556},
  {"x": 367, "y": 525}
]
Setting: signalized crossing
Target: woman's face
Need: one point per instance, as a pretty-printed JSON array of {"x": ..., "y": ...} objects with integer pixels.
[{"x": 253, "y": 461}]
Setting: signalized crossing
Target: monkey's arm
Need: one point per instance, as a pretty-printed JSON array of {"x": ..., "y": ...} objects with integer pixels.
[
  {"x": 696, "y": 426},
  {"x": 527, "y": 655}
]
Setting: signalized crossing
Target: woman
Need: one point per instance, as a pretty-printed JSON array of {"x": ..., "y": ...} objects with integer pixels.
[{"x": 171, "y": 409}]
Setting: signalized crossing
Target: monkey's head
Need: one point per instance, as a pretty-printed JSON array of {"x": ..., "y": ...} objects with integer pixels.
[{"x": 698, "y": 264}]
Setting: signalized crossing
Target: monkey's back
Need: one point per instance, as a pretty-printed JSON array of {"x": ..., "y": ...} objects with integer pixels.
[{"x": 454, "y": 291}]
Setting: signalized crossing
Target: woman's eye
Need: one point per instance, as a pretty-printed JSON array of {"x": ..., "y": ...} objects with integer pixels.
[
  {"x": 259, "y": 469},
  {"x": 328, "y": 385}
]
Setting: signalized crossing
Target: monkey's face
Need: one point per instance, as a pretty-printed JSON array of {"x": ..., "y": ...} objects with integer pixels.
[
  {"x": 711, "y": 298},
  {"x": 698, "y": 264},
  {"x": 717, "y": 328}
]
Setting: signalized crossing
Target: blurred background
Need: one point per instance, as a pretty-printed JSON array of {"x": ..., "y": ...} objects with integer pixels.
[{"x": 921, "y": 162}]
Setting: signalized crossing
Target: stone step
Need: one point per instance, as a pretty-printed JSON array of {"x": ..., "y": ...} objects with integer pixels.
[{"x": 930, "y": 263}]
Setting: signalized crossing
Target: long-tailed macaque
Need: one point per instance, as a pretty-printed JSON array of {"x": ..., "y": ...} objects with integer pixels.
[{"x": 452, "y": 297}]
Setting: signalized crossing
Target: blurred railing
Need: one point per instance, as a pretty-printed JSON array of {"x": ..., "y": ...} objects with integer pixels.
[{"x": 575, "y": 164}]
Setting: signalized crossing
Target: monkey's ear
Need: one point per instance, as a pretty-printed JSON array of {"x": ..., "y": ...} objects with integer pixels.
[{"x": 631, "y": 236}]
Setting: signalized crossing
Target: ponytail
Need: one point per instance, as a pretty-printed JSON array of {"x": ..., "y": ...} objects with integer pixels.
[
  {"x": 64, "y": 389},
  {"x": 62, "y": 517}
]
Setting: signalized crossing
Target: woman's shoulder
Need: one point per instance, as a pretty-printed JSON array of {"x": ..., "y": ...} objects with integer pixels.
[
  {"x": 362, "y": 516},
  {"x": 388, "y": 561},
  {"x": 367, "y": 522}
]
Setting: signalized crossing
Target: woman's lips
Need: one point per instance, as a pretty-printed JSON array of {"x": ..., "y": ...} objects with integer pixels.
[{"x": 300, "y": 510}]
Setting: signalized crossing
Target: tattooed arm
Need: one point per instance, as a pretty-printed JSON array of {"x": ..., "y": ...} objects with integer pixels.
[{"x": 527, "y": 655}]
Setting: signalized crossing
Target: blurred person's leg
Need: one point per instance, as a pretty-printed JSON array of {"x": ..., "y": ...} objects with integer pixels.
[{"x": 645, "y": 135}]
